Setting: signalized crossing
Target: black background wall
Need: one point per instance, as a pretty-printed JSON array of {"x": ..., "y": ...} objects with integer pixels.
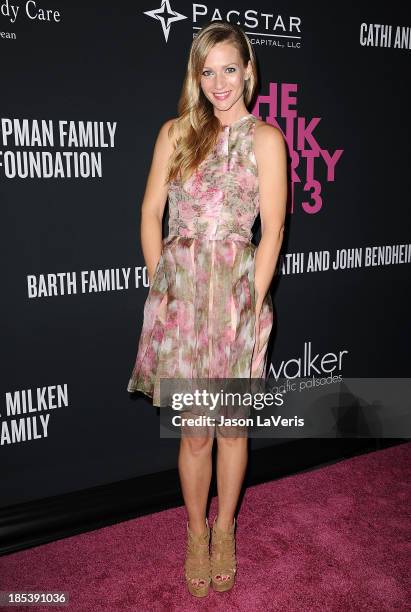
[{"x": 111, "y": 62}]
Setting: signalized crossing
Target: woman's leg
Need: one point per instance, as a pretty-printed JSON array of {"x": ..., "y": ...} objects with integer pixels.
[
  {"x": 232, "y": 454},
  {"x": 194, "y": 465}
]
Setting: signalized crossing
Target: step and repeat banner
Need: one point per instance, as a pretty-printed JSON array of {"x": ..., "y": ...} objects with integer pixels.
[{"x": 84, "y": 91}]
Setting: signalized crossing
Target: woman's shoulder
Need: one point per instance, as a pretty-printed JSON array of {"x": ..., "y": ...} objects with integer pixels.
[
  {"x": 169, "y": 131},
  {"x": 266, "y": 130},
  {"x": 267, "y": 136},
  {"x": 269, "y": 144}
]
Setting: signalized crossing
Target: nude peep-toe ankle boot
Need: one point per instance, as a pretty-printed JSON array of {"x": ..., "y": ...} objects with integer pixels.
[
  {"x": 197, "y": 563},
  {"x": 223, "y": 559}
]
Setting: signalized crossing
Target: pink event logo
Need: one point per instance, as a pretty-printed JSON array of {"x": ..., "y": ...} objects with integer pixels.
[{"x": 306, "y": 153}]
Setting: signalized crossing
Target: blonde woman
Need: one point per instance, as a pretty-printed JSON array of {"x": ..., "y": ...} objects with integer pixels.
[{"x": 209, "y": 313}]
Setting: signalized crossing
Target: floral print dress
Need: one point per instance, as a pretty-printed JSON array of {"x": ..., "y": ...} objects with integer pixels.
[{"x": 199, "y": 314}]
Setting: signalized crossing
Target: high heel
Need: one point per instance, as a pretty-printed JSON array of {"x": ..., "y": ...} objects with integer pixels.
[
  {"x": 197, "y": 563},
  {"x": 223, "y": 559}
]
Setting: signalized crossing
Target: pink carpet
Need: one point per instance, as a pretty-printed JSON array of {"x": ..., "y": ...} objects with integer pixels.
[{"x": 336, "y": 538}]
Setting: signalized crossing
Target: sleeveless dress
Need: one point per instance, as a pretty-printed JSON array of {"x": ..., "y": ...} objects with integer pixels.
[{"x": 199, "y": 314}]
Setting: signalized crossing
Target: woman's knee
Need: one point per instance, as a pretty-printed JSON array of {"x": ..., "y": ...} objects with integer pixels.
[
  {"x": 229, "y": 438},
  {"x": 197, "y": 445}
]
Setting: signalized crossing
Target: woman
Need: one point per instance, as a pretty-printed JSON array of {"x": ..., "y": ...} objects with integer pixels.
[{"x": 209, "y": 313}]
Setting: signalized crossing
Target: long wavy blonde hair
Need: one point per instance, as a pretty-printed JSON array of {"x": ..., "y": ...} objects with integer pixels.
[{"x": 196, "y": 127}]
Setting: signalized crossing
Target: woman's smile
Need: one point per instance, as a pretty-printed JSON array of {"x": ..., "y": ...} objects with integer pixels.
[{"x": 222, "y": 96}]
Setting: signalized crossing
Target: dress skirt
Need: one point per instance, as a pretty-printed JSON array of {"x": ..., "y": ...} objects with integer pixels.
[{"x": 199, "y": 315}]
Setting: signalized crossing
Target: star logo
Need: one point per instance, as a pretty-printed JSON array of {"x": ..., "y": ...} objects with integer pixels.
[{"x": 166, "y": 16}]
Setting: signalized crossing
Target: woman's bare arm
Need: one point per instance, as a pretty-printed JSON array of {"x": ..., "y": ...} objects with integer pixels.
[
  {"x": 271, "y": 156},
  {"x": 154, "y": 200}
]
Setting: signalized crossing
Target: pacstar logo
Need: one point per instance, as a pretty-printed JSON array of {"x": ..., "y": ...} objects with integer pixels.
[
  {"x": 263, "y": 28},
  {"x": 166, "y": 16}
]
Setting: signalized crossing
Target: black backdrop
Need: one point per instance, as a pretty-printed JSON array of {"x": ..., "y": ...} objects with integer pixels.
[{"x": 114, "y": 62}]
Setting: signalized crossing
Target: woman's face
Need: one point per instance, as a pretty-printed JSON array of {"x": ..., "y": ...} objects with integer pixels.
[{"x": 223, "y": 75}]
